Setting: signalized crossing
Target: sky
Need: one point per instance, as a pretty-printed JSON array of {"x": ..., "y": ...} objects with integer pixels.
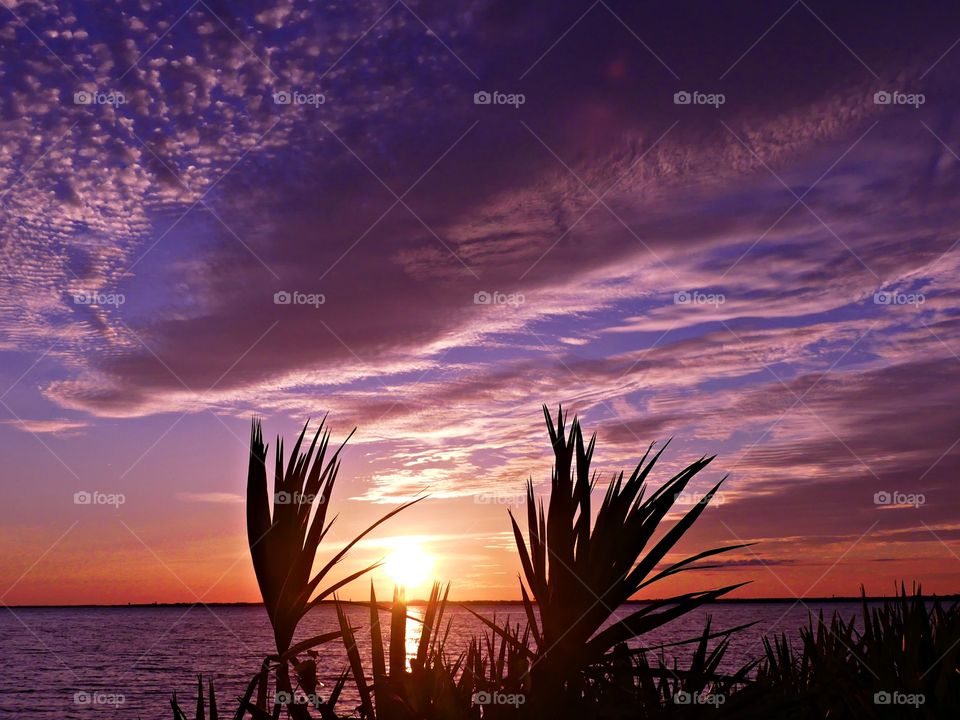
[{"x": 731, "y": 225}]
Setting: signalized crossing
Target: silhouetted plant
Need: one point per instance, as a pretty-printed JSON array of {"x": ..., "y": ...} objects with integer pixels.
[
  {"x": 284, "y": 542},
  {"x": 579, "y": 575},
  {"x": 904, "y": 663},
  {"x": 201, "y": 714},
  {"x": 664, "y": 689},
  {"x": 428, "y": 689}
]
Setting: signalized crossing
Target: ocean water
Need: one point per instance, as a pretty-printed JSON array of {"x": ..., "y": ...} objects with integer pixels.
[{"x": 126, "y": 662}]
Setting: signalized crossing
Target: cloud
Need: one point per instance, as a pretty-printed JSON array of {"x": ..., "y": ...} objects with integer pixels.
[
  {"x": 56, "y": 426},
  {"x": 217, "y": 498}
]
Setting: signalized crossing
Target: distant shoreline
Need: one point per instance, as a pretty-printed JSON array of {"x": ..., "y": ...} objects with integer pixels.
[{"x": 726, "y": 601}]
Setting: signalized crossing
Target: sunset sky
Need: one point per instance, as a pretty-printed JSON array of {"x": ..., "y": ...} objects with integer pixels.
[{"x": 769, "y": 273}]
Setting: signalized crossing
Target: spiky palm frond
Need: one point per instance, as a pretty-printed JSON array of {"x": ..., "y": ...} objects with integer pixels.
[
  {"x": 578, "y": 573},
  {"x": 284, "y": 542},
  {"x": 425, "y": 689},
  {"x": 284, "y": 537},
  {"x": 179, "y": 714},
  {"x": 908, "y": 649}
]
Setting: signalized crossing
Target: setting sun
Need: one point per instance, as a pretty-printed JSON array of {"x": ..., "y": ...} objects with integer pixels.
[{"x": 408, "y": 565}]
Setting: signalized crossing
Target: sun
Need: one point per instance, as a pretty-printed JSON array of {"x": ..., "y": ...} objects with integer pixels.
[{"x": 408, "y": 565}]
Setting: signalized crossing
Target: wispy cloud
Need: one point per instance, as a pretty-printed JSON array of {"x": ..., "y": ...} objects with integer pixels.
[{"x": 217, "y": 498}]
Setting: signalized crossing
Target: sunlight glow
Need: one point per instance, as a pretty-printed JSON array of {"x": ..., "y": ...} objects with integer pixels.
[{"x": 408, "y": 565}]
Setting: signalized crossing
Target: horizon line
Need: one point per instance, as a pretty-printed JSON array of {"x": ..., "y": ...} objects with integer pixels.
[{"x": 423, "y": 601}]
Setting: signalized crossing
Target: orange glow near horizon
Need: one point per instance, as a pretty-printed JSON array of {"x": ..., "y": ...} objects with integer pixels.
[{"x": 408, "y": 565}]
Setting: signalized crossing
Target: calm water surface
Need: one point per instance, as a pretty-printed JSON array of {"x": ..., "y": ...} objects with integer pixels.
[{"x": 132, "y": 659}]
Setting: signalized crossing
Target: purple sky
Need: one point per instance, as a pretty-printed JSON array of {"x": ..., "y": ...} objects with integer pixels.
[{"x": 768, "y": 273}]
